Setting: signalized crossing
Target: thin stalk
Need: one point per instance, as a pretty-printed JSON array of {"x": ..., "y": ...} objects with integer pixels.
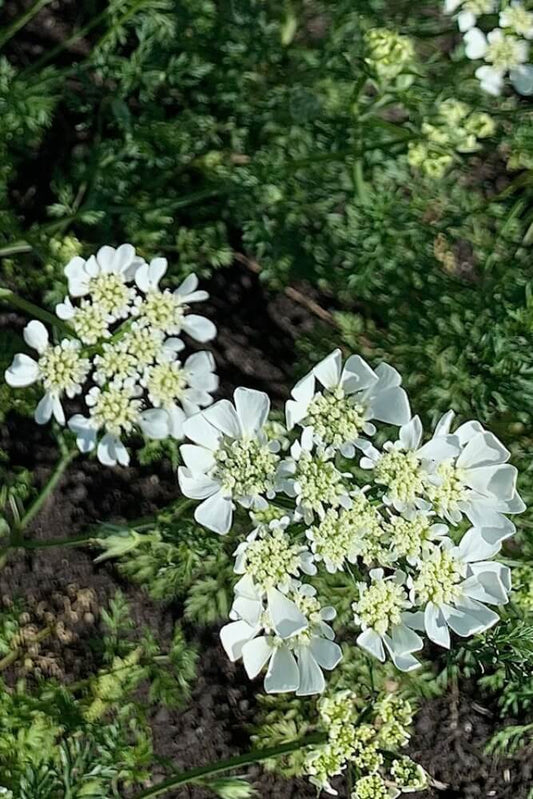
[
  {"x": 56, "y": 542},
  {"x": 34, "y": 310},
  {"x": 48, "y": 488},
  {"x": 255, "y": 756},
  {"x": 19, "y": 23},
  {"x": 15, "y": 249}
]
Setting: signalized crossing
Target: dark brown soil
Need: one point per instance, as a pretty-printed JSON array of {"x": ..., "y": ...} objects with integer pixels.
[{"x": 255, "y": 346}]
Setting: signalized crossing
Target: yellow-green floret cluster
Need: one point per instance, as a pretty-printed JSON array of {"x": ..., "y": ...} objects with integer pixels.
[
  {"x": 319, "y": 481},
  {"x": 402, "y": 475},
  {"x": 389, "y": 53},
  {"x": 449, "y": 488},
  {"x": 380, "y": 605},
  {"x": 63, "y": 368},
  {"x": 165, "y": 383},
  {"x": 438, "y": 578},
  {"x": 373, "y": 786},
  {"x": 335, "y": 417},
  {"x": 408, "y": 775},
  {"x": 110, "y": 294},
  {"x": 162, "y": 310},
  {"x": 271, "y": 558},
  {"x": 245, "y": 467},
  {"x": 90, "y": 323},
  {"x": 407, "y": 537},
  {"x": 115, "y": 409}
]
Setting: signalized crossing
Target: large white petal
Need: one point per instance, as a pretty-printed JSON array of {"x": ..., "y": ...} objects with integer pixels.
[
  {"x": 234, "y": 636},
  {"x": 328, "y": 371},
  {"x": 311, "y": 678},
  {"x": 282, "y": 675},
  {"x": 23, "y": 371},
  {"x": 196, "y": 486},
  {"x": 187, "y": 286},
  {"x": 326, "y": 653},
  {"x": 465, "y": 21},
  {"x": 197, "y": 459},
  {"x": 106, "y": 258},
  {"x": 36, "y": 336},
  {"x": 57, "y": 410},
  {"x": 496, "y": 481},
  {"x": 65, "y": 310},
  {"x": 370, "y": 641},
  {"x": 255, "y": 654},
  {"x": 176, "y": 418},
  {"x": 286, "y": 618},
  {"x": 156, "y": 270},
  {"x": 43, "y": 411},
  {"x": 436, "y": 626},
  {"x": 142, "y": 278},
  {"x": 411, "y": 434},
  {"x": 106, "y": 450},
  {"x": 404, "y": 640},
  {"x": 215, "y": 513},
  {"x": 475, "y": 43},
  {"x": 122, "y": 258},
  {"x": 223, "y": 416},
  {"x": 439, "y": 449},
  {"x": 252, "y": 409},
  {"x": 483, "y": 449},
  {"x": 154, "y": 423},
  {"x": 199, "y": 328},
  {"x": 391, "y": 406},
  {"x": 357, "y": 375},
  {"x": 199, "y": 430},
  {"x": 84, "y": 431},
  {"x": 475, "y": 546},
  {"x": 522, "y": 79}
]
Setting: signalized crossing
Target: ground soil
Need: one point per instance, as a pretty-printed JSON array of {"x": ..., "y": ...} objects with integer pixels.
[{"x": 256, "y": 347}]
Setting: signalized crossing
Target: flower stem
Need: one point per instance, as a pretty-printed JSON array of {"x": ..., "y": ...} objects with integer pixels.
[
  {"x": 254, "y": 756},
  {"x": 17, "y": 539},
  {"x": 22, "y": 20},
  {"x": 34, "y": 310}
]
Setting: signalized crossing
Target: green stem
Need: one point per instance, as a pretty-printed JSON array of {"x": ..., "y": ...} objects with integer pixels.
[
  {"x": 22, "y": 20},
  {"x": 15, "y": 249},
  {"x": 34, "y": 310},
  {"x": 255, "y": 756},
  {"x": 48, "y": 488},
  {"x": 57, "y": 542}
]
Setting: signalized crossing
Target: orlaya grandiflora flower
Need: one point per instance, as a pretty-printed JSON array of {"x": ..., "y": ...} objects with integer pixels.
[
  {"x": 404, "y": 466},
  {"x": 165, "y": 310},
  {"x": 348, "y": 399},
  {"x": 116, "y": 410},
  {"x": 292, "y": 638},
  {"x": 454, "y": 583},
  {"x": 310, "y": 476},
  {"x": 504, "y": 54},
  {"x": 380, "y": 612},
  {"x": 88, "y": 320},
  {"x": 517, "y": 19},
  {"x": 60, "y": 368},
  {"x": 181, "y": 389},
  {"x": 478, "y": 483},
  {"x": 104, "y": 278},
  {"x": 468, "y": 11},
  {"x": 231, "y": 459}
]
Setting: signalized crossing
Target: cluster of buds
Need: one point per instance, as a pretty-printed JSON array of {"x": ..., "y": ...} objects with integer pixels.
[
  {"x": 390, "y": 56},
  {"x": 410, "y": 527},
  {"x": 505, "y": 50},
  {"x": 121, "y": 353},
  {"x": 366, "y": 741},
  {"x": 454, "y": 128}
]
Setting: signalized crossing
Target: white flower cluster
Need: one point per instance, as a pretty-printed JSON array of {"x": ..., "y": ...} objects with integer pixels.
[
  {"x": 122, "y": 355},
  {"x": 369, "y": 746},
  {"x": 505, "y": 49},
  {"x": 400, "y": 536}
]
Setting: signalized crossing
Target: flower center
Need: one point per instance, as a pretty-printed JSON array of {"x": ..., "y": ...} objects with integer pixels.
[
  {"x": 271, "y": 558},
  {"x": 143, "y": 344},
  {"x": 479, "y": 7},
  {"x": 438, "y": 579},
  {"x": 504, "y": 53},
  {"x": 165, "y": 383},
  {"x": 451, "y": 489},
  {"x": 371, "y": 787},
  {"x": 408, "y": 536},
  {"x": 116, "y": 410},
  {"x": 110, "y": 293},
  {"x": 162, "y": 311},
  {"x": 380, "y": 606},
  {"x": 335, "y": 418},
  {"x": 245, "y": 467},
  {"x": 347, "y": 534},
  {"x": 63, "y": 369},
  {"x": 115, "y": 361},
  {"x": 90, "y": 323},
  {"x": 400, "y": 472},
  {"x": 319, "y": 482},
  {"x": 519, "y": 19}
]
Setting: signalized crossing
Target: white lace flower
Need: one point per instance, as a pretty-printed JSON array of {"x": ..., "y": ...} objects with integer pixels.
[
  {"x": 351, "y": 397},
  {"x": 518, "y": 19},
  {"x": 181, "y": 389},
  {"x": 311, "y": 477},
  {"x": 115, "y": 363},
  {"x": 468, "y": 11},
  {"x": 88, "y": 320},
  {"x": 504, "y": 53},
  {"x": 231, "y": 459},
  {"x": 404, "y": 466},
  {"x": 479, "y": 483},
  {"x": 452, "y": 586},
  {"x": 413, "y": 538},
  {"x": 117, "y": 410},
  {"x": 60, "y": 369},
  {"x": 295, "y": 660},
  {"x": 380, "y": 612},
  {"x": 104, "y": 277},
  {"x": 271, "y": 559},
  {"x": 167, "y": 310}
]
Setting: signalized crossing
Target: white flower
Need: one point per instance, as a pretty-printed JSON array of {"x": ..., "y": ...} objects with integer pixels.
[
  {"x": 312, "y": 478},
  {"x": 404, "y": 466},
  {"x": 89, "y": 321},
  {"x": 167, "y": 310},
  {"x": 104, "y": 277},
  {"x": 452, "y": 585},
  {"x": 380, "y": 612},
  {"x": 518, "y": 19},
  {"x": 351, "y": 397},
  {"x": 479, "y": 483},
  {"x": 60, "y": 368},
  {"x": 231, "y": 459},
  {"x": 296, "y": 642},
  {"x": 470, "y": 11},
  {"x": 181, "y": 389},
  {"x": 117, "y": 410},
  {"x": 503, "y": 52},
  {"x": 413, "y": 538}
]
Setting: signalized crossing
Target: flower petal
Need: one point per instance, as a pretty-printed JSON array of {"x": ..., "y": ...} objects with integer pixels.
[
  {"x": 36, "y": 336},
  {"x": 84, "y": 431},
  {"x": 328, "y": 371},
  {"x": 199, "y": 328},
  {"x": 223, "y": 416},
  {"x": 371, "y": 642},
  {"x": 23, "y": 371},
  {"x": 311, "y": 678},
  {"x": 326, "y": 653},
  {"x": 234, "y": 636},
  {"x": 287, "y": 620},
  {"x": 255, "y": 654},
  {"x": 282, "y": 675},
  {"x": 154, "y": 423},
  {"x": 436, "y": 627},
  {"x": 43, "y": 411},
  {"x": 252, "y": 409},
  {"x": 215, "y": 513}
]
